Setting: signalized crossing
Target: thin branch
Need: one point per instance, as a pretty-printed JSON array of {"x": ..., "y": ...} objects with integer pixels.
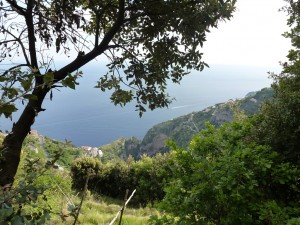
[
  {"x": 115, "y": 218},
  {"x": 123, "y": 208},
  {"x": 31, "y": 36},
  {"x": 82, "y": 198},
  {"x": 6, "y": 41},
  {"x": 66, "y": 196},
  {"x": 97, "y": 30},
  {"x": 119, "y": 74},
  {"x": 18, "y": 39},
  {"x": 23, "y": 47},
  {"x": 16, "y": 7},
  {"x": 12, "y": 68}
]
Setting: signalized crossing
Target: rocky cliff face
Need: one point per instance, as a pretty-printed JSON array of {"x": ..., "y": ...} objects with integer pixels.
[
  {"x": 157, "y": 144},
  {"x": 222, "y": 113},
  {"x": 182, "y": 129}
]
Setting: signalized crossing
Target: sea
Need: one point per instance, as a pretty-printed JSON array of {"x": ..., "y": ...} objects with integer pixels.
[{"x": 86, "y": 115}]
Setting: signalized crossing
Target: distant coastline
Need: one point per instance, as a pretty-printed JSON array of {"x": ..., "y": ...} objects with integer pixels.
[{"x": 86, "y": 116}]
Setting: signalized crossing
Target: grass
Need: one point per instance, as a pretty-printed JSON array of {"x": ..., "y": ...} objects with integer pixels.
[{"x": 102, "y": 211}]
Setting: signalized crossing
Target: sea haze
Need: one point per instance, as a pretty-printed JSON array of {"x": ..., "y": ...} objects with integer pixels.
[{"x": 87, "y": 117}]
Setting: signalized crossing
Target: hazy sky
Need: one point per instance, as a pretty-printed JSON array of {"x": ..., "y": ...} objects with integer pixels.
[{"x": 251, "y": 37}]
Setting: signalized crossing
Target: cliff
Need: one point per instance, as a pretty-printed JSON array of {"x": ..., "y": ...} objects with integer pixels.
[{"x": 182, "y": 129}]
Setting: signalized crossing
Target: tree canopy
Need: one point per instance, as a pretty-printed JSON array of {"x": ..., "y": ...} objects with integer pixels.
[{"x": 146, "y": 42}]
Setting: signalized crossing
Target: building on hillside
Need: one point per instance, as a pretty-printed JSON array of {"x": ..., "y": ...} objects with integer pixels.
[
  {"x": 93, "y": 152},
  {"x": 34, "y": 133}
]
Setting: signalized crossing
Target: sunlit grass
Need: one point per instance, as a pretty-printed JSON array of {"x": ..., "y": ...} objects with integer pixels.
[{"x": 102, "y": 211}]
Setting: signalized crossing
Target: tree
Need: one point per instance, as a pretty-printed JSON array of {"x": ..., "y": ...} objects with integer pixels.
[
  {"x": 224, "y": 177},
  {"x": 281, "y": 117},
  {"x": 147, "y": 42}
]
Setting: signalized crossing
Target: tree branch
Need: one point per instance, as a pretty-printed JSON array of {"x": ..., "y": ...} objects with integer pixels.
[
  {"x": 16, "y": 7},
  {"x": 98, "y": 50},
  {"x": 6, "y": 41},
  {"x": 18, "y": 39},
  {"x": 97, "y": 30},
  {"x": 31, "y": 36},
  {"x": 12, "y": 68}
]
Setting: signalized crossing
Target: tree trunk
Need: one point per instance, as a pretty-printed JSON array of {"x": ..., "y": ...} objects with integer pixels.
[{"x": 10, "y": 151}]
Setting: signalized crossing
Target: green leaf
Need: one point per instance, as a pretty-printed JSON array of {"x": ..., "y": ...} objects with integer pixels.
[
  {"x": 48, "y": 78},
  {"x": 2, "y": 78},
  {"x": 26, "y": 84},
  {"x": 17, "y": 220},
  {"x": 31, "y": 97},
  {"x": 5, "y": 213},
  {"x": 69, "y": 82},
  {"x": 12, "y": 92},
  {"x": 7, "y": 109}
]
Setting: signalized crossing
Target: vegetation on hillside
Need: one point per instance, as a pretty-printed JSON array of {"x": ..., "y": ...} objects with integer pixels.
[
  {"x": 42, "y": 194},
  {"x": 226, "y": 176},
  {"x": 245, "y": 172},
  {"x": 142, "y": 40},
  {"x": 182, "y": 129},
  {"x": 113, "y": 178},
  {"x": 65, "y": 152}
]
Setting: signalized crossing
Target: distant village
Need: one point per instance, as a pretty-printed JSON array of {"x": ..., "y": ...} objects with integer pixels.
[{"x": 88, "y": 151}]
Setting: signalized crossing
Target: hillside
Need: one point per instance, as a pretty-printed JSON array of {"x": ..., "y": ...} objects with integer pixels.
[{"x": 182, "y": 129}]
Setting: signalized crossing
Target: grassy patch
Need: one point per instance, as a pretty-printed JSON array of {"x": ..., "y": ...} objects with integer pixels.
[{"x": 97, "y": 211}]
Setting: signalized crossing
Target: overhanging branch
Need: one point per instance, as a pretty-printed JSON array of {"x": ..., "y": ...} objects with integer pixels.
[
  {"x": 16, "y": 7},
  {"x": 12, "y": 68},
  {"x": 98, "y": 50}
]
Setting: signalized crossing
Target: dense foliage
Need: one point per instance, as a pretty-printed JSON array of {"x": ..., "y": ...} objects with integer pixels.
[
  {"x": 65, "y": 152},
  {"x": 43, "y": 195},
  {"x": 246, "y": 172},
  {"x": 225, "y": 177},
  {"x": 235, "y": 174},
  {"x": 39, "y": 191},
  {"x": 147, "y": 176}
]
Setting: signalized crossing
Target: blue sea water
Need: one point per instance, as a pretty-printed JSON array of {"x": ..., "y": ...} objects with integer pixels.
[{"x": 87, "y": 117}]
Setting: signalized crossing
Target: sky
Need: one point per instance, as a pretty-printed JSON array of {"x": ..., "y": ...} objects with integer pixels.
[{"x": 252, "y": 37}]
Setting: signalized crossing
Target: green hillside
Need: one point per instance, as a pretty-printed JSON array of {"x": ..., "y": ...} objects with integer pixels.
[
  {"x": 182, "y": 129},
  {"x": 43, "y": 189}
]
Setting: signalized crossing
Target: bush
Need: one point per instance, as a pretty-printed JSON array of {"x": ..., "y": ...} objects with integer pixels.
[
  {"x": 112, "y": 179},
  {"x": 225, "y": 178},
  {"x": 82, "y": 167},
  {"x": 35, "y": 195}
]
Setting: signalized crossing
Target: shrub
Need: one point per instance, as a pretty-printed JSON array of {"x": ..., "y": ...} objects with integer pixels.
[
  {"x": 82, "y": 167},
  {"x": 225, "y": 178},
  {"x": 112, "y": 179}
]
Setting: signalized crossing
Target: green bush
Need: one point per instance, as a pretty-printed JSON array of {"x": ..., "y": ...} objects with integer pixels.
[
  {"x": 225, "y": 178},
  {"x": 36, "y": 194},
  {"x": 112, "y": 179},
  {"x": 82, "y": 167},
  {"x": 65, "y": 152}
]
